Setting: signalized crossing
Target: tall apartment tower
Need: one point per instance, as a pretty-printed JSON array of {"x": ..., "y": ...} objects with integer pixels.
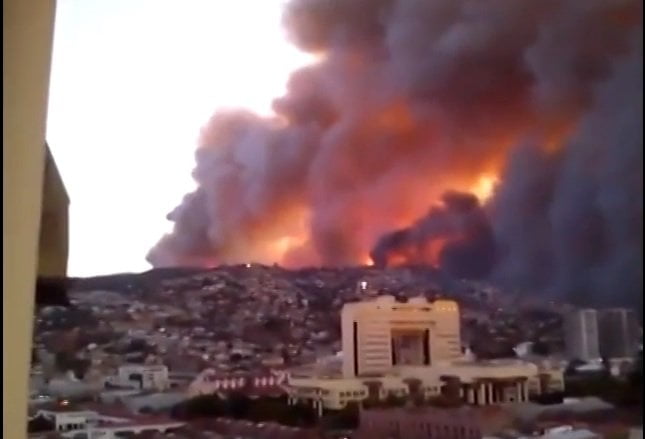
[
  {"x": 581, "y": 335},
  {"x": 619, "y": 335},
  {"x": 382, "y": 334}
]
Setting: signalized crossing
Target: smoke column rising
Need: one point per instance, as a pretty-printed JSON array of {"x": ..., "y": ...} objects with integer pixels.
[
  {"x": 455, "y": 235},
  {"x": 414, "y": 98}
]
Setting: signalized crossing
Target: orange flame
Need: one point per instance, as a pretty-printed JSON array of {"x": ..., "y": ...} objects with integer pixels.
[
  {"x": 485, "y": 187},
  {"x": 479, "y": 176}
]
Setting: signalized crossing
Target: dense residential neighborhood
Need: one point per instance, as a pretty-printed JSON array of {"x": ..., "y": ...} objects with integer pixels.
[{"x": 150, "y": 346}]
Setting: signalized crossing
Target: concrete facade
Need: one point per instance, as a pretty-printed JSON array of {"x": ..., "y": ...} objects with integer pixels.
[
  {"x": 27, "y": 30},
  {"x": 380, "y": 334},
  {"x": 419, "y": 423},
  {"x": 54, "y": 222},
  {"x": 619, "y": 335},
  {"x": 473, "y": 382},
  {"x": 581, "y": 335}
]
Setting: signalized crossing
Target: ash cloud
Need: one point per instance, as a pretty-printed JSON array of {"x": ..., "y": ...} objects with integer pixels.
[
  {"x": 414, "y": 98},
  {"x": 572, "y": 223},
  {"x": 460, "y": 227}
]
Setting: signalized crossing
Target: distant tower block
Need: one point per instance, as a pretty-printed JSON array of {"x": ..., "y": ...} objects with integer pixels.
[
  {"x": 581, "y": 335},
  {"x": 619, "y": 333}
]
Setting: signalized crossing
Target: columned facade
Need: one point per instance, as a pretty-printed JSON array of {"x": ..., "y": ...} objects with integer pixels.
[
  {"x": 462, "y": 379},
  {"x": 477, "y": 391},
  {"x": 316, "y": 403},
  {"x": 486, "y": 391}
]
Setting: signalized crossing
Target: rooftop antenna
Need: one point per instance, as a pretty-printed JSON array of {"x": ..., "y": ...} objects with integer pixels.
[{"x": 363, "y": 289}]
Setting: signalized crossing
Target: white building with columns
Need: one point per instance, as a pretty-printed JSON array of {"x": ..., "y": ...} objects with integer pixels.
[{"x": 395, "y": 349}]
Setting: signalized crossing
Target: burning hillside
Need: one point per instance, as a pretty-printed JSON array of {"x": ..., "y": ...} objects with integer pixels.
[{"x": 517, "y": 123}]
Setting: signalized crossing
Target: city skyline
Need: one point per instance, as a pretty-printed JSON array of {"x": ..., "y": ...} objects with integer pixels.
[
  {"x": 298, "y": 189},
  {"x": 431, "y": 232}
]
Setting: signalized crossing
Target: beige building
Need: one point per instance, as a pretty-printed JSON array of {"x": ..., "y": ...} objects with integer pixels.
[
  {"x": 420, "y": 423},
  {"x": 27, "y": 45},
  {"x": 424, "y": 361},
  {"x": 380, "y": 334}
]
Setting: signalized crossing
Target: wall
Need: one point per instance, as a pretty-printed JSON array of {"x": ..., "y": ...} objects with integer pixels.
[
  {"x": 376, "y": 319},
  {"x": 461, "y": 423},
  {"x": 27, "y": 42},
  {"x": 54, "y": 222}
]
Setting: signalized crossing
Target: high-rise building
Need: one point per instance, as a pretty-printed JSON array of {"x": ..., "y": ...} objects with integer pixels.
[
  {"x": 381, "y": 334},
  {"x": 581, "y": 335},
  {"x": 412, "y": 349},
  {"x": 618, "y": 328}
]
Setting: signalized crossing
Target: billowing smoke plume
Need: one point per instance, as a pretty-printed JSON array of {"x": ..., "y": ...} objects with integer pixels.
[
  {"x": 573, "y": 221},
  {"x": 455, "y": 235},
  {"x": 413, "y": 98}
]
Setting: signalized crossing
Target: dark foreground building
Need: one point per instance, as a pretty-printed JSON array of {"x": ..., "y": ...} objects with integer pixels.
[{"x": 419, "y": 423}]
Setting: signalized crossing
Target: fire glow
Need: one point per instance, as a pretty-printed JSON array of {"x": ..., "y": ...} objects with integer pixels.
[
  {"x": 485, "y": 187},
  {"x": 458, "y": 134}
]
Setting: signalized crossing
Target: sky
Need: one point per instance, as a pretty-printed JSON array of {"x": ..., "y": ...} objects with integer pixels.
[{"x": 132, "y": 83}]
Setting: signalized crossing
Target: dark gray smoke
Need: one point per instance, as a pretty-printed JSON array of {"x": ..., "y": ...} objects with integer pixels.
[
  {"x": 455, "y": 235},
  {"x": 413, "y": 98},
  {"x": 572, "y": 222}
]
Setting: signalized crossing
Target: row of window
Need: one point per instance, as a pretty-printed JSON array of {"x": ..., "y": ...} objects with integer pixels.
[
  {"x": 240, "y": 382},
  {"x": 395, "y": 392},
  {"x": 355, "y": 393},
  {"x": 69, "y": 427}
]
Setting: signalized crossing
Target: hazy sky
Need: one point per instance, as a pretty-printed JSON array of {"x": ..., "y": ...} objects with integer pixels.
[{"x": 132, "y": 83}]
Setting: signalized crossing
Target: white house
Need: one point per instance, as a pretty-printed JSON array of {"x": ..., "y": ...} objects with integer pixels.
[
  {"x": 98, "y": 426},
  {"x": 141, "y": 376}
]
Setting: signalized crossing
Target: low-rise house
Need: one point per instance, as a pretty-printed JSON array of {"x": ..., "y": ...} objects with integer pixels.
[
  {"x": 141, "y": 376},
  {"x": 70, "y": 423}
]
